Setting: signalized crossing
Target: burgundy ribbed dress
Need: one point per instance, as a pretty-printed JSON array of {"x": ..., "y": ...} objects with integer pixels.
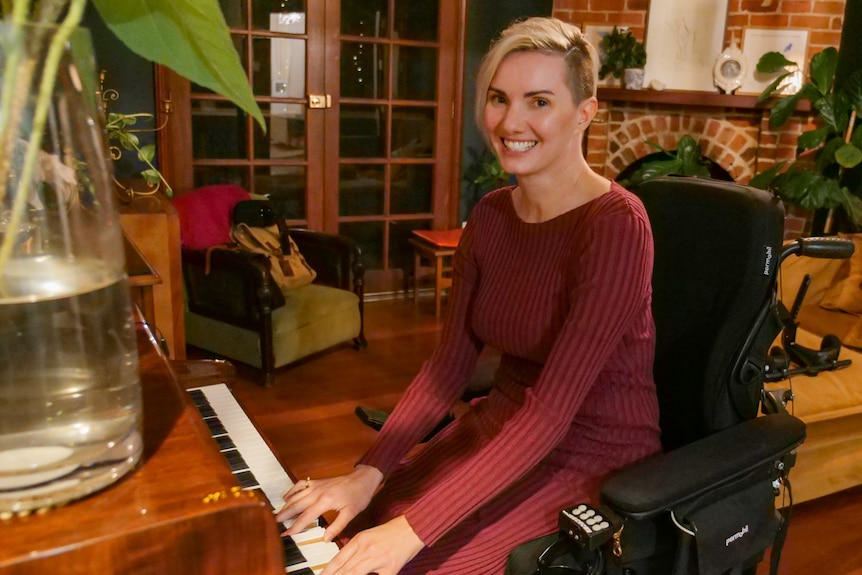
[{"x": 567, "y": 302}]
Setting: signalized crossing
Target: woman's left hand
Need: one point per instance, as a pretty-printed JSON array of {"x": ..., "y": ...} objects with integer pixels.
[{"x": 383, "y": 550}]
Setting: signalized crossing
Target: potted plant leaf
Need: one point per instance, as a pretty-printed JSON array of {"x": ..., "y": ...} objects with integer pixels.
[
  {"x": 823, "y": 174},
  {"x": 623, "y": 56}
]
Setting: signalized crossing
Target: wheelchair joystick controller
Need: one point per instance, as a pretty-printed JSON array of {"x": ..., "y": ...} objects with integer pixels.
[{"x": 589, "y": 527}]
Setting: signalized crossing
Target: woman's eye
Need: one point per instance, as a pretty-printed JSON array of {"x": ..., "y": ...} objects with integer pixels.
[
  {"x": 542, "y": 103},
  {"x": 497, "y": 100}
]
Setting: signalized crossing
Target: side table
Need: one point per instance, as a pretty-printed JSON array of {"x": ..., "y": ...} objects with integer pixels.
[{"x": 434, "y": 246}]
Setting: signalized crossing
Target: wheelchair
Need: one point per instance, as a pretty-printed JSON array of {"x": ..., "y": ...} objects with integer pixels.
[{"x": 708, "y": 504}]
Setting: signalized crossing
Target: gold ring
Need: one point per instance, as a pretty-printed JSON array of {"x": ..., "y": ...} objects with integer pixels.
[{"x": 307, "y": 482}]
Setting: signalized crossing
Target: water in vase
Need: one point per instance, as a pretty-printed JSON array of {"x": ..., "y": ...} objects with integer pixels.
[{"x": 70, "y": 400}]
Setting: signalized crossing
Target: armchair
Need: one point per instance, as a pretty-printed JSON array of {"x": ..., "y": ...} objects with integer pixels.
[{"x": 235, "y": 309}]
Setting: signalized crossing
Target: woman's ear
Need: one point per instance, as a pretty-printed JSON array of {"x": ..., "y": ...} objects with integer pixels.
[{"x": 586, "y": 112}]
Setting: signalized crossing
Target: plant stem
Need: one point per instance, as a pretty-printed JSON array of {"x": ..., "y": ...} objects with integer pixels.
[{"x": 43, "y": 101}]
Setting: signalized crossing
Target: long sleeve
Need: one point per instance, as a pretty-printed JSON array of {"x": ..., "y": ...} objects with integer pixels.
[{"x": 442, "y": 379}]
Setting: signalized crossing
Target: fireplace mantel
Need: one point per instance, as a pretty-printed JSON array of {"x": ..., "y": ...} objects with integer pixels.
[{"x": 689, "y": 98}]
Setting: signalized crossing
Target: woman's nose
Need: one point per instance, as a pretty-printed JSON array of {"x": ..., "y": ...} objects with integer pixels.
[{"x": 513, "y": 119}]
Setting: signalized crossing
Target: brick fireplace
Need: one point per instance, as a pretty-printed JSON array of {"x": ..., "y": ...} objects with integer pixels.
[{"x": 731, "y": 130}]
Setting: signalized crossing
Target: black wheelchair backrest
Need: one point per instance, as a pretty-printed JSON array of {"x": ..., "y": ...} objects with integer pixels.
[{"x": 717, "y": 249}]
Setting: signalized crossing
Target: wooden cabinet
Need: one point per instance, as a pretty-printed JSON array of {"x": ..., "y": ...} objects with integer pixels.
[{"x": 153, "y": 225}]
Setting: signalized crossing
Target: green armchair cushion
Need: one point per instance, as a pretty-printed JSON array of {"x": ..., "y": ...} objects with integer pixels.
[{"x": 314, "y": 317}]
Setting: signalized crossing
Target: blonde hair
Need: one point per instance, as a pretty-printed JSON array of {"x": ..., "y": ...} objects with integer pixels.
[{"x": 548, "y": 36}]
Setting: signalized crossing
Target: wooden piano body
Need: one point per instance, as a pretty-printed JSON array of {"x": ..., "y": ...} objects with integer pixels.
[{"x": 179, "y": 512}]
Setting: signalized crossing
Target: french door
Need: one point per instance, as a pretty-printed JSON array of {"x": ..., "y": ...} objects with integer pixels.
[{"x": 362, "y": 104}]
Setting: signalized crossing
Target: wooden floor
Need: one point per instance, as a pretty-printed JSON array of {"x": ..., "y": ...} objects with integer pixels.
[{"x": 308, "y": 419}]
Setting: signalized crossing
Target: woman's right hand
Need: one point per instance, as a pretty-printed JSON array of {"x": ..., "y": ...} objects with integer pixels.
[{"x": 348, "y": 495}]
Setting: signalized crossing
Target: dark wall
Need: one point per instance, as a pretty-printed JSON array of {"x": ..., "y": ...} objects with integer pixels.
[
  {"x": 485, "y": 20},
  {"x": 132, "y": 77}
]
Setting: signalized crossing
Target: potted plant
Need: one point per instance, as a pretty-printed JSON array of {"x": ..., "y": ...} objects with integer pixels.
[
  {"x": 70, "y": 399},
  {"x": 483, "y": 174},
  {"x": 686, "y": 160},
  {"x": 821, "y": 176},
  {"x": 623, "y": 56}
]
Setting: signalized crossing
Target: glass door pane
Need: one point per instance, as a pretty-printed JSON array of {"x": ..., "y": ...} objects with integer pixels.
[
  {"x": 272, "y": 40},
  {"x": 388, "y": 125}
]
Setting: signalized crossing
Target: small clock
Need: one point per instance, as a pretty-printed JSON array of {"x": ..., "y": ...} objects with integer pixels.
[{"x": 730, "y": 68}]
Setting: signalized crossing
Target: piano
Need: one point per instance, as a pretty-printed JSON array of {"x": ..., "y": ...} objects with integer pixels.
[{"x": 182, "y": 511}]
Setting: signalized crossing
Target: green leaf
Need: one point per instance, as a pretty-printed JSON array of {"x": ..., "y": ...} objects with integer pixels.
[
  {"x": 808, "y": 190},
  {"x": 763, "y": 180},
  {"x": 848, "y": 155},
  {"x": 152, "y": 177},
  {"x": 783, "y": 109},
  {"x": 147, "y": 153},
  {"x": 132, "y": 140},
  {"x": 773, "y": 62},
  {"x": 834, "y": 111},
  {"x": 826, "y": 156},
  {"x": 769, "y": 91},
  {"x": 823, "y": 66},
  {"x": 812, "y": 138},
  {"x": 688, "y": 151},
  {"x": 654, "y": 169},
  {"x": 188, "y": 36},
  {"x": 853, "y": 206},
  {"x": 852, "y": 89}
]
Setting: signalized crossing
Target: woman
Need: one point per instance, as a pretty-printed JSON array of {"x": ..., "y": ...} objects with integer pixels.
[{"x": 553, "y": 272}]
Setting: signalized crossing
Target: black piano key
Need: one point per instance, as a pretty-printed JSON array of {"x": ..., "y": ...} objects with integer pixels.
[
  {"x": 198, "y": 397},
  {"x": 215, "y": 425},
  {"x": 246, "y": 479},
  {"x": 235, "y": 460},
  {"x": 292, "y": 554},
  {"x": 225, "y": 443},
  {"x": 206, "y": 411},
  {"x": 303, "y": 571}
]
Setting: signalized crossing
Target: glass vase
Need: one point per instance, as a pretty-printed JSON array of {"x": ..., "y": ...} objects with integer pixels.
[{"x": 70, "y": 397}]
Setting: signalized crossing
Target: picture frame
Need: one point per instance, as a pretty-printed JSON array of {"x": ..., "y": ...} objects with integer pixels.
[
  {"x": 683, "y": 39},
  {"x": 758, "y": 41},
  {"x": 594, "y": 34}
]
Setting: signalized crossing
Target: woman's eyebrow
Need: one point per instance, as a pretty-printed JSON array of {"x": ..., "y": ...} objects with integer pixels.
[{"x": 530, "y": 94}]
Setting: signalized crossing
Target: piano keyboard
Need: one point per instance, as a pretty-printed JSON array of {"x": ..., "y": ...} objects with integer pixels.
[{"x": 255, "y": 467}]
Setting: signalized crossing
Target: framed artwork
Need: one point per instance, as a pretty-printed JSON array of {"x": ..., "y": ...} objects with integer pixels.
[
  {"x": 683, "y": 39},
  {"x": 758, "y": 41},
  {"x": 594, "y": 34}
]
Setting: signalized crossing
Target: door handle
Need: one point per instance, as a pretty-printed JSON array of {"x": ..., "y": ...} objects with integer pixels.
[{"x": 319, "y": 101}]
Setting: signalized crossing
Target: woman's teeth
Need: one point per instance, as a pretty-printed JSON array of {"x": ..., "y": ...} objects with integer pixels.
[{"x": 518, "y": 146}]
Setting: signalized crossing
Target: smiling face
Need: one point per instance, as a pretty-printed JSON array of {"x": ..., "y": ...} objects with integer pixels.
[{"x": 530, "y": 116}]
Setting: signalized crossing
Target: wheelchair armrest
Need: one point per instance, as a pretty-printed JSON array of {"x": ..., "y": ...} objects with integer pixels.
[
  {"x": 336, "y": 259},
  {"x": 231, "y": 286},
  {"x": 662, "y": 482}
]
